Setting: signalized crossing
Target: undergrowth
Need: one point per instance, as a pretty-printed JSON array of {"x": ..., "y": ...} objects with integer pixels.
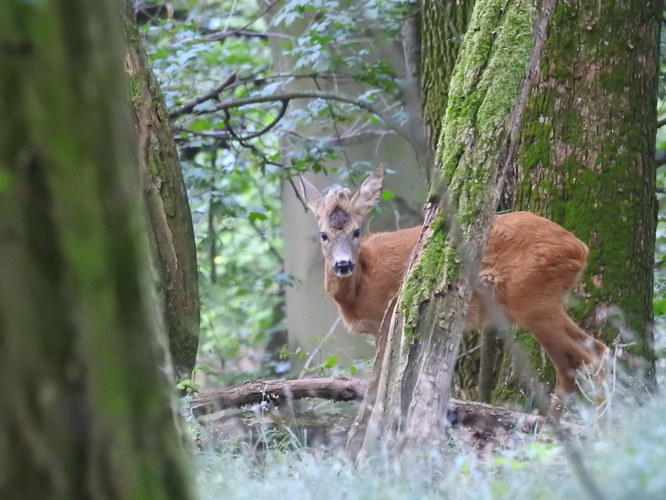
[{"x": 623, "y": 456}]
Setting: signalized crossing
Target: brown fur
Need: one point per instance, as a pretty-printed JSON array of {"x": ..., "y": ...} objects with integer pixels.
[{"x": 529, "y": 265}]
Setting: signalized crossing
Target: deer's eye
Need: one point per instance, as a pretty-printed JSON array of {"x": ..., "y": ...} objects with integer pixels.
[
  {"x": 357, "y": 233},
  {"x": 324, "y": 236}
]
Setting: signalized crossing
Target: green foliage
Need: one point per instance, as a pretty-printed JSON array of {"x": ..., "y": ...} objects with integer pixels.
[
  {"x": 234, "y": 158},
  {"x": 220, "y": 39},
  {"x": 236, "y": 218}
]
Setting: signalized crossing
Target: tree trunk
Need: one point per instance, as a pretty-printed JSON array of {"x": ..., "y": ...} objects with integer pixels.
[
  {"x": 440, "y": 45},
  {"x": 414, "y": 383},
  {"x": 84, "y": 410},
  {"x": 586, "y": 160},
  {"x": 172, "y": 235}
]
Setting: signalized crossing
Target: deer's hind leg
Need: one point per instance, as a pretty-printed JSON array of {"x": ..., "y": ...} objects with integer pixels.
[{"x": 568, "y": 347}]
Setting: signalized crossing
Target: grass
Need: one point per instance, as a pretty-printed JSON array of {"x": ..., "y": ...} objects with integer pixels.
[{"x": 624, "y": 455}]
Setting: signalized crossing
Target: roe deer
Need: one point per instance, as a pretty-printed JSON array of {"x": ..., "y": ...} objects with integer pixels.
[{"x": 529, "y": 264}]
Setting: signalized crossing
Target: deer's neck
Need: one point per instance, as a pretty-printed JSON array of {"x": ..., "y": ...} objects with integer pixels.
[{"x": 364, "y": 296}]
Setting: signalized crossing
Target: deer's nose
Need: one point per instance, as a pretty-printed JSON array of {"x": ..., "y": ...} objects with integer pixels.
[{"x": 343, "y": 267}]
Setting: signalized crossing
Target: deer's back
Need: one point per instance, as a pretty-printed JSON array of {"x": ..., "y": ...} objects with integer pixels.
[{"x": 531, "y": 262}]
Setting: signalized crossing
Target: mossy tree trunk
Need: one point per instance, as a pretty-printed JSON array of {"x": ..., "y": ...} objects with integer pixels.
[
  {"x": 440, "y": 45},
  {"x": 585, "y": 159},
  {"x": 172, "y": 235},
  {"x": 85, "y": 411},
  {"x": 414, "y": 377}
]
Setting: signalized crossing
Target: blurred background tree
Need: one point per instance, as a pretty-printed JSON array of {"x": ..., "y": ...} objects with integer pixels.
[{"x": 86, "y": 411}]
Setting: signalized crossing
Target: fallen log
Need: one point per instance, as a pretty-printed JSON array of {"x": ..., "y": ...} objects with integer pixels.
[
  {"x": 278, "y": 392},
  {"x": 482, "y": 419}
]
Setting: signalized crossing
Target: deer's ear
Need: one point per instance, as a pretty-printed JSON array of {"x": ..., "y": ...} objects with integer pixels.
[
  {"x": 368, "y": 194},
  {"x": 313, "y": 198}
]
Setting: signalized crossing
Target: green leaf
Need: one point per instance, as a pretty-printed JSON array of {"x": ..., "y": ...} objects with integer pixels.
[
  {"x": 659, "y": 306},
  {"x": 388, "y": 194},
  {"x": 255, "y": 216},
  {"x": 200, "y": 125},
  {"x": 332, "y": 360}
]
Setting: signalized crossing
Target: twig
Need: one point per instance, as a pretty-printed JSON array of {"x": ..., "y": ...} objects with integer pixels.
[
  {"x": 218, "y": 35},
  {"x": 189, "y": 106},
  {"x": 236, "y": 103},
  {"x": 230, "y": 135},
  {"x": 318, "y": 348},
  {"x": 222, "y": 34}
]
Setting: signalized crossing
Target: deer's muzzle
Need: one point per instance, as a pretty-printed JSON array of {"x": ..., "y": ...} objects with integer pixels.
[{"x": 343, "y": 267}]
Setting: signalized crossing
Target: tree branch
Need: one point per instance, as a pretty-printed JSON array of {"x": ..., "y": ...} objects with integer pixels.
[
  {"x": 213, "y": 93},
  {"x": 215, "y": 35},
  {"x": 230, "y": 135},
  {"x": 220, "y": 35},
  {"x": 236, "y": 103}
]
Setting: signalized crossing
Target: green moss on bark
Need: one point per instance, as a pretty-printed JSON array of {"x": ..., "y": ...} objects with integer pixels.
[
  {"x": 415, "y": 380},
  {"x": 482, "y": 92},
  {"x": 586, "y": 154}
]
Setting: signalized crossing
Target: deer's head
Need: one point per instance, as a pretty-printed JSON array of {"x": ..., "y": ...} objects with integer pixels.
[{"x": 339, "y": 216}]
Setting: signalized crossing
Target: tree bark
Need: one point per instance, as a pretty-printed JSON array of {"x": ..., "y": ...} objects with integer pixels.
[
  {"x": 85, "y": 412},
  {"x": 172, "y": 235},
  {"x": 422, "y": 345},
  {"x": 279, "y": 391},
  {"x": 586, "y": 159},
  {"x": 440, "y": 45}
]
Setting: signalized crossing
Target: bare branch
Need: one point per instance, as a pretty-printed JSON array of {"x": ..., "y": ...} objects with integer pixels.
[
  {"x": 297, "y": 193},
  {"x": 230, "y": 135},
  {"x": 391, "y": 123},
  {"x": 661, "y": 123},
  {"x": 280, "y": 115},
  {"x": 222, "y": 34},
  {"x": 213, "y": 93}
]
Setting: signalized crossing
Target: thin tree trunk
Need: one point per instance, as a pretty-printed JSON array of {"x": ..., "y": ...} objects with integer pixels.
[
  {"x": 85, "y": 412},
  {"x": 422, "y": 345},
  {"x": 440, "y": 45},
  {"x": 172, "y": 235}
]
